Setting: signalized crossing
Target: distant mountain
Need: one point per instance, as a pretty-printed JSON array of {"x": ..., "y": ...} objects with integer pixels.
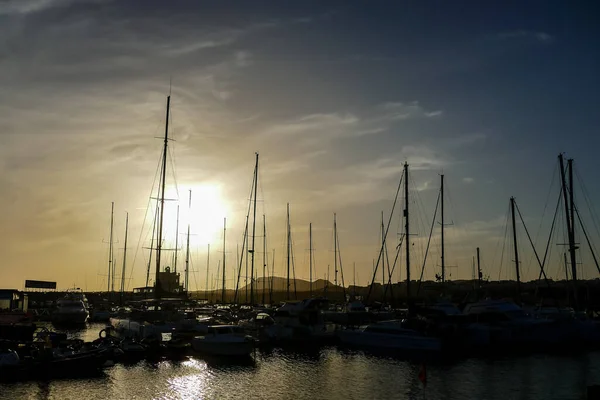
[{"x": 280, "y": 285}]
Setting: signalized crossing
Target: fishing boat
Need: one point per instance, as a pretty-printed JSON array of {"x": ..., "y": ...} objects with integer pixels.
[{"x": 224, "y": 340}]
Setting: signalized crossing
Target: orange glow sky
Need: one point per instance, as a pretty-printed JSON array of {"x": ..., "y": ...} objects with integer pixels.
[{"x": 335, "y": 98}]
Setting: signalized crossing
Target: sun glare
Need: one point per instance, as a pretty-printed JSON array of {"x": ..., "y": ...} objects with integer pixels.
[{"x": 205, "y": 215}]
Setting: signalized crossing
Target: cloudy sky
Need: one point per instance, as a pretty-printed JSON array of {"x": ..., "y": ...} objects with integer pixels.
[{"x": 334, "y": 95}]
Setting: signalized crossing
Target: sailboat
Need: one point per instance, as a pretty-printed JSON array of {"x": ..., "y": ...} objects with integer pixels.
[{"x": 161, "y": 314}]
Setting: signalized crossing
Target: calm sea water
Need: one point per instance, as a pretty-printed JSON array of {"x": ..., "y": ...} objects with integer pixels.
[{"x": 326, "y": 373}]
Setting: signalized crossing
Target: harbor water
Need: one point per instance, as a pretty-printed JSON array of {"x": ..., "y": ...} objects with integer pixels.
[{"x": 324, "y": 373}]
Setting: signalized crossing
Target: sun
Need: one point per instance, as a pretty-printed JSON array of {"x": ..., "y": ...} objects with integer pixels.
[{"x": 205, "y": 214}]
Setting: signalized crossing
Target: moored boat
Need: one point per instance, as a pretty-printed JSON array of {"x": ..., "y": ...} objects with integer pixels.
[
  {"x": 224, "y": 340},
  {"x": 389, "y": 335}
]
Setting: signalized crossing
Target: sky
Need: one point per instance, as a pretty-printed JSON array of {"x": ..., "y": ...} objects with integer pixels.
[{"x": 335, "y": 96}]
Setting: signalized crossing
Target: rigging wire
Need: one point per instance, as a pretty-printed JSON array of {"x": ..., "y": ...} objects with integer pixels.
[
  {"x": 158, "y": 168},
  {"x": 532, "y": 245},
  {"x": 428, "y": 241},
  {"x": 385, "y": 236},
  {"x": 504, "y": 241}
]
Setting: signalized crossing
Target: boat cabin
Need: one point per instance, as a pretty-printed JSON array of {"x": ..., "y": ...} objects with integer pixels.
[{"x": 13, "y": 300}]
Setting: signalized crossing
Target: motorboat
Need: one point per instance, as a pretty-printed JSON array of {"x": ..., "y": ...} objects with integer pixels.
[
  {"x": 224, "y": 340},
  {"x": 389, "y": 335},
  {"x": 72, "y": 309},
  {"x": 301, "y": 320}
]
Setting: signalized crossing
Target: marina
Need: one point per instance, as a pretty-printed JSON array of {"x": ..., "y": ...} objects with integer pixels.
[{"x": 299, "y": 200}]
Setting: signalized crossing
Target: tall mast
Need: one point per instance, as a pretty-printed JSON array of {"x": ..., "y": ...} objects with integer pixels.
[
  {"x": 512, "y": 210},
  {"x": 572, "y": 245},
  {"x": 354, "y": 276},
  {"x": 187, "y": 248},
  {"x": 223, "y": 286},
  {"x": 310, "y": 263},
  {"x": 383, "y": 258},
  {"x": 570, "y": 234},
  {"x": 124, "y": 258},
  {"x": 272, "y": 280},
  {"x": 407, "y": 231},
  {"x": 335, "y": 270},
  {"x": 110, "y": 250},
  {"x": 176, "y": 241},
  {"x": 442, "y": 230},
  {"x": 288, "y": 251},
  {"x": 157, "y": 286},
  {"x": 253, "y": 232},
  {"x": 207, "y": 269},
  {"x": 264, "y": 258},
  {"x": 479, "y": 275},
  {"x": 246, "y": 258}
]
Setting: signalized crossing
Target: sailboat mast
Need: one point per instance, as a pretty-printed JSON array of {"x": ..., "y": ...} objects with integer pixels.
[
  {"x": 383, "y": 258},
  {"x": 246, "y": 258},
  {"x": 157, "y": 286},
  {"x": 176, "y": 241},
  {"x": 442, "y": 230},
  {"x": 572, "y": 246},
  {"x": 288, "y": 251},
  {"x": 479, "y": 275},
  {"x": 110, "y": 248},
  {"x": 407, "y": 231},
  {"x": 187, "y": 248},
  {"x": 264, "y": 258},
  {"x": 354, "y": 277},
  {"x": 253, "y": 232},
  {"x": 310, "y": 263},
  {"x": 570, "y": 234},
  {"x": 124, "y": 257},
  {"x": 512, "y": 210},
  {"x": 335, "y": 250},
  {"x": 207, "y": 269},
  {"x": 223, "y": 286},
  {"x": 272, "y": 278}
]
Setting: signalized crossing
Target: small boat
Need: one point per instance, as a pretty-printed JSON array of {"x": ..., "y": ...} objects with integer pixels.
[
  {"x": 224, "y": 340},
  {"x": 389, "y": 335},
  {"x": 51, "y": 363}
]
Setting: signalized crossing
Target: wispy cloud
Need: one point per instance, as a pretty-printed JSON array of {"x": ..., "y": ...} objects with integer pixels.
[
  {"x": 321, "y": 128},
  {"x": 541, "y": 37},
  {"x": 395, "y": 111},
  {"x": 8, "y": 7}
]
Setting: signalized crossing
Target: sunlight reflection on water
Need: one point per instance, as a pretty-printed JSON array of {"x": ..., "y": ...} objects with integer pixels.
[{"x": 326, "y": 373}]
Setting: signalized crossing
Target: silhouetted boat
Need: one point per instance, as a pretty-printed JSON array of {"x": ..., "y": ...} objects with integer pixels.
[
  {"x": 389, "y": 335},
  {"x": 72, "y": 309},
  {"x": 224, "y": 340}
]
